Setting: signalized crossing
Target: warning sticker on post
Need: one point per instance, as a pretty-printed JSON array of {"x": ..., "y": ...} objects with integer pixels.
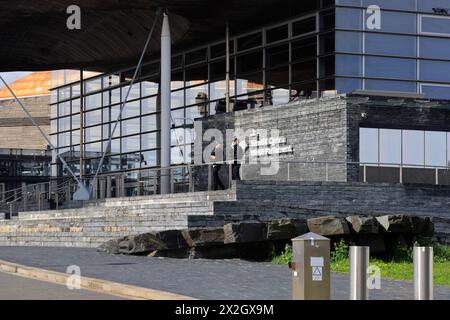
[{"x": 317, "y": 268}]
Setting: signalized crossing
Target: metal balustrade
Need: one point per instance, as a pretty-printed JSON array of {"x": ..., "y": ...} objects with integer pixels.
[{"x": 192, "y": 178}]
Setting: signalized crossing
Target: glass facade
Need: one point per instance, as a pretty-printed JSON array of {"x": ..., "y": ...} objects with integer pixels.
[
  {"x": 275, "y": 65},
  {"x": 337, "y": 46},
  {"x": 404, "y": 47},
  {"x": 409, "y": 148}
]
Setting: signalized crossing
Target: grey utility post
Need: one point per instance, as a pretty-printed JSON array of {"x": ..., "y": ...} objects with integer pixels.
[
  {"x": 423, "y": 273},
  {"x": 311, "y": 267},
  {"x": 359, "y": 265}
]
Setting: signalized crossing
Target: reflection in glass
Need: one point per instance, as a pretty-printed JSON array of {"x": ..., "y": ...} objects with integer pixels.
[
  {"x": 390, "y": 146},
  {"x": 435, "y": 146},
  {"x": 413, "y": 147},
  {"x": 368, "y": 145}
]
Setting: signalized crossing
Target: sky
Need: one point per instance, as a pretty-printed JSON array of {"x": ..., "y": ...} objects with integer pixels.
[{"x": 12, "y": 76}]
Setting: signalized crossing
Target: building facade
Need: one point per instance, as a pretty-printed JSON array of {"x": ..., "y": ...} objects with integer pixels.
[
  {"x": 332, "y": 47},
  {"x": 25, "y": 156}
]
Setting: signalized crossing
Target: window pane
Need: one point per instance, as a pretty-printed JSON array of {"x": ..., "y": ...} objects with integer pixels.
[
  {"x": 368, "y": 145},
  {"x": 390, "y": 45},
  {"x": 304, "y": 71},
  {"x": 436, "y": 91},
  {"x": 277, "y": 34},
  {"x": 385, "y": 85},
  {"x": 131, "y": 144},
  {"x": 390, "y": 146},
  {"x": 427, "y": 5},
  {"x": 304, "y": 49},
  {"x": 277, "y": 56},
  {"x": 196, "y": 94},
  {"x": 93, "y": 117},
  {"x": 149, "y": 88},
  {"x": 346, "y": 85},
  {"x": 349, "y": 41},
  {"x": 347, "y": 18},
  {"x": 435, "y": 149},
  {"x": 149, "y": 141},
  {"x": 348, "y": 65},
  {"x": 434, "y": 48},
  {"x": 149, "y": 123},
  {"x": 93, "y": 101},
  {"x": 195, "y": 56},
  {"x": 149, "y": 105},
  {"x": 131, "y": 126},
  {"x": 250, "y": 62},
  {"x": 251, "y": 41},
  {"x": 391, "y": 68},
  {"x": 93, "y": 133},
  {"x": 149, "y": 159},
  {"x": 389, "y": 4},
  {"x": 413, "y": 147},
  {"x": 435, "y": 71},
  {"x": 436, "y": 25},
  {"x": 304, "y": 26}
]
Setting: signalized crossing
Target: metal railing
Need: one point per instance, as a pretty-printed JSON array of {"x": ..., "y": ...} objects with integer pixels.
[
  {"x": 192, "y": 178},
  {"x": 35, "y": 196}
]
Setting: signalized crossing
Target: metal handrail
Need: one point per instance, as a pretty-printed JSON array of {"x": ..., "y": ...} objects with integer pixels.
[{"x": 3, "y": 194}]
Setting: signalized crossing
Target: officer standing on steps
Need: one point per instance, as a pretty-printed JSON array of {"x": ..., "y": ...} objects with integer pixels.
[
  {"x": 238, "y": 154},
  {"x": 216, "y": 159}
]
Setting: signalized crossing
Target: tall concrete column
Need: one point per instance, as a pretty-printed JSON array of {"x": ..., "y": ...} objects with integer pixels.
[{"x": 165, "y": 104}]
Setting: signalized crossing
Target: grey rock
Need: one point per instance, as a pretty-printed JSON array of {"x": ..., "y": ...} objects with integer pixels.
[
  {"x": 363, "y": 224},
  {"x": 329, "y": 226},
  {"x": 172, "y": 239},
  {"x": 245, "y": 232},
  {"x": 204, "y": 237},
  {"x": 133, "y": 245},
  {"x": 396, "y": 223},
  {"x": 286, "y": 229}
]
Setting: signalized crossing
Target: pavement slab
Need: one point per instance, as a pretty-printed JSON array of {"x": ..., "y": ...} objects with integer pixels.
[{"x": 202, "y": 279}]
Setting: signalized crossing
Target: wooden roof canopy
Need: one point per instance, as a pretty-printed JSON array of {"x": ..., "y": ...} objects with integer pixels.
[{"x": 34, "y": 35}]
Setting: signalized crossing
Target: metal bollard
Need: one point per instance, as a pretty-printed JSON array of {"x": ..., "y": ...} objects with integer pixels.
[
  {"x": 423, "y": 273},
  {"x": 311, "y": 267},
  {"x": 359, "y": 264}
]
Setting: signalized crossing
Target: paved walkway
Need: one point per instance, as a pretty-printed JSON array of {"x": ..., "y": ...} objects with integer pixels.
[
  {"x": 203, "y": 279},
  {"x": 13, "y": 287}
]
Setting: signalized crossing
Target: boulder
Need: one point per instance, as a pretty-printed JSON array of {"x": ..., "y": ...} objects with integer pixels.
[
  {"x": 286, "y": 229},
  {"x": 144, "y": 243},
  {"x": 134, "y": 244},
  {"x": 374, "y": 241},
  {"x": 245, "y": 232},
  {"x": 396, "y": 223},
  {"x": 172, "y": 239},
  {"x": 423, "y": 226},
  {"x": 364, "y": 225},
  {"x": 202, "y": 237},
  {"x": 328, "y": 226}
]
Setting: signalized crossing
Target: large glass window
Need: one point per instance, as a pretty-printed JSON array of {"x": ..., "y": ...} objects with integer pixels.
[
  {"x": 390, "y": 146},
  {"x": 435, "y": 145},
  {"x": 434, "y": 48},
  {"x": 389, "y": 4},
  {"x": 368, "y": 145},
  {"x": 395, "y": 68},
  {"x": 390, "y": 45},
  {"x": 436, "y": 91},
  {"x": 435, "y": 71},
  {"x": 413, "y": 147},
  {"x": 435, "y": 25}
]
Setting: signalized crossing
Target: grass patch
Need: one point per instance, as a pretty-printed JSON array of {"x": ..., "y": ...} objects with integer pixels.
[{"x": 397, "y": 267}]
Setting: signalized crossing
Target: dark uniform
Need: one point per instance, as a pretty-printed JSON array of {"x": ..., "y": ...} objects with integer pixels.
[{"x": 216, "y": 181}]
